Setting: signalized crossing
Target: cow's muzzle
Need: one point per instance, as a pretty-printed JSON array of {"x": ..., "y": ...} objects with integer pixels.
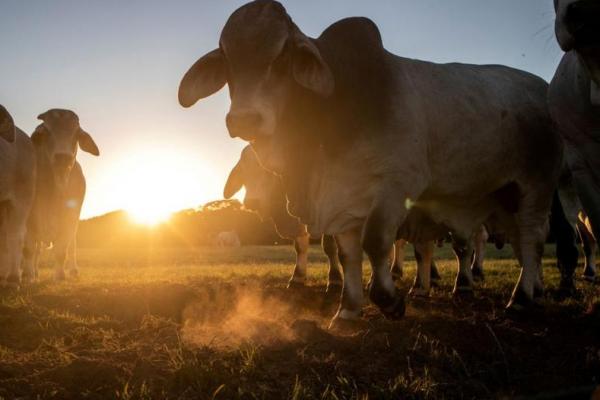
[{"x": 244, "y": 124}]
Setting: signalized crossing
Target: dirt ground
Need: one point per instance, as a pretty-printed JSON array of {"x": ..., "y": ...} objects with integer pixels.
[{"x": 220, "y": 324}]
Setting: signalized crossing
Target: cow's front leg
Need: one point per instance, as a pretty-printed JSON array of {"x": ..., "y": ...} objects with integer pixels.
[
  {"x": 334, "y": 277},
  {"x": 589, "y": 250},
  {"x": 398, "y": 263},
  {"x": 463, "y": 248},
  {"x": 378, "y": 237},
  {"x": 531, "y": 234},
  {"x": 301, "y": 245},
  {"x": 424, "y": 255},
  {"x": 350, "y": 255},
  {"x": 59, "y": 251},
  {"x": 481, "y": 238},
  {"x": 71, "y": 261}
]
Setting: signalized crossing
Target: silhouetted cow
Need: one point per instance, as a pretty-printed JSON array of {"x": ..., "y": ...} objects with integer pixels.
[
  {"x": 60, "y": 190},
  {"x": 361, "y": 137}
]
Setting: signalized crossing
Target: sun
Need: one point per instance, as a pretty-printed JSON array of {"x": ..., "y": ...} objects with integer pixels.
[
  {"x": 155, "y": 183},
  {"x": 148, "y": 215}
]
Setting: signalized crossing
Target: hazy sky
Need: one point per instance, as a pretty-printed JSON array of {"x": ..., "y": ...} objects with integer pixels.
[{"x": 118, "y": 65}]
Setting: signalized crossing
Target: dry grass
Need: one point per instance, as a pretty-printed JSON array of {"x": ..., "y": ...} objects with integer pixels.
[{"x": 219, "y": 323}]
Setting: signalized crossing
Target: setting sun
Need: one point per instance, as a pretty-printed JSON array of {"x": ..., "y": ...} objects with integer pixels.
[{"x": 154, "y": 183}]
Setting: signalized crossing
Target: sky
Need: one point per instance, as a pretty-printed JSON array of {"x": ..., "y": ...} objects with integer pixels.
[{"x": 118, "y": 65}]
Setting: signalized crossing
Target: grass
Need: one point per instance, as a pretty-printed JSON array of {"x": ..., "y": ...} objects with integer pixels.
[{"x": 219, "y": 324}]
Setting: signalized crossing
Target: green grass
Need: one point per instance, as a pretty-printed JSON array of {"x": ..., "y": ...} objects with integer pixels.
[{"x": 219, "y": 323}]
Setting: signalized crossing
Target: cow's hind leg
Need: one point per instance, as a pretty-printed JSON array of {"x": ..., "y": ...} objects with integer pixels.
[
  {"x": 30, "y": 257},
  {"x": 334, "y": 277},
  {"x": 589, "y": 250},
  {"x": 301, "y": 244},
  {"x": 481, "y": 238},
  {"x": 424, "y": 256},
  {"x": 566, "y": 248},
  {"x": 531, "y": 234},
  {"x": 350, "y": 255},
  {"x": 463, "y": 248},
  {"x": 398, "y": 262},
  {"x": 435, "y": 274},
  {"x": 72, "y": 266}
]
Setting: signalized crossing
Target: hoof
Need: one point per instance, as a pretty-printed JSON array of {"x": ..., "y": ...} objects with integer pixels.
[
  {"x": 590, "y": 276},
  {"x": 566, "y": 290},
  {"x": 396, "y": 309},
  {"x": 13, "y": 282},
  {"x": 463, "y": 281},
  {"x": 418, "y": 292},
  {"x": 347, "y": 325},
  {"x": 295, "y": 284},
  {"x": 463, "y": 292},
  {"x": 9, "y": 286},
  {"x": 478, "y": 274},
  {"x": 521, "y": 304},
  {"x": 60, "y": 275}
]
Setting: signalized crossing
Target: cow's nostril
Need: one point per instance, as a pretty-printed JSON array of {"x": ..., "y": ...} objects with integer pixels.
[{"x": 243, "y": 124}]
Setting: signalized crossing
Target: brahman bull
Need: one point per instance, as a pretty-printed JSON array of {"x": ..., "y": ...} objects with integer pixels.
[
  {"x": 17, "y": 188},
  {"x": 60, "y": 190},
  {"x": 265, "y": 196},
  {"x": 361, "y": 137},
  {"x": 574, "y": 98}
]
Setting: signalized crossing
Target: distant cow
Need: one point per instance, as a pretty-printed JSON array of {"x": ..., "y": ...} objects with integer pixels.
[
  {"x": 362, "y": 137},
  {"x": 60, "y": 191},
  {"x": 574, "y": 98},
  {"x": 228, "y": 239},
  {"x": 265, "y": 195},
  {"x": 17, "y": 187}
]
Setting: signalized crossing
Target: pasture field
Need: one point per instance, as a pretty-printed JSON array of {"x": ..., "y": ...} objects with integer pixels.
[{"x": 212, "y": 323}]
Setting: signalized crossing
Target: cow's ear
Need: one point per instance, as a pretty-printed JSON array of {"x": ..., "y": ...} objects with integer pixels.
[
  {"x": 309, "y": 69},
  {"x": 39, "y": 136},
  {"x": 207, "y": 76},
  {"x": 7, "y": 126},
  {"x": 234, "y": 183},
  {"x": 86, "y": 143}
]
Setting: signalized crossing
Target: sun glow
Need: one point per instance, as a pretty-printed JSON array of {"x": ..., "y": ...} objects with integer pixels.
[{"x": 154, "y": 183}]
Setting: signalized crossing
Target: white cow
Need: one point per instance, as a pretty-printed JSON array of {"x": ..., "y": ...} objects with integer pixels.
[
  {"x": 362, "y": 138},
  {"x": 265, "y": 196},
  {"x": 17, "y": 187},
  {"x": 60, "y": 191},
  {"x": 228, "y": 239},
  {"x": 574, "y": 98}
]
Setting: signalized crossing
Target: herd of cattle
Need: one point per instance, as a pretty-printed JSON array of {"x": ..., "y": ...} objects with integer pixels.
[{"x": 368, "y": 150}]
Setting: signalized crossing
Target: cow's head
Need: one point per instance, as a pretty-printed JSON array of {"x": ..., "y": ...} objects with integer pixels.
[
  {"x": 259, "y": 183},
  {"x": 7, "y": 125},
  {"x": 577, "y": 27},
  {"x": 59, "y": 136},
  {"x": 263, "y": 57}
]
